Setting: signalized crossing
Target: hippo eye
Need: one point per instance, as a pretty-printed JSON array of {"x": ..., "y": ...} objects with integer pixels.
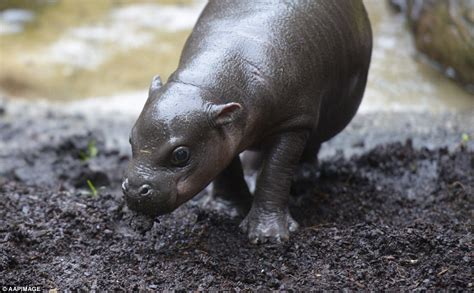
[{"x": 180, "y": 156}]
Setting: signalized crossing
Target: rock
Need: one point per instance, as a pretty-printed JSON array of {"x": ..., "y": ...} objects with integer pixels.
[{"x": 444, "y": 31}]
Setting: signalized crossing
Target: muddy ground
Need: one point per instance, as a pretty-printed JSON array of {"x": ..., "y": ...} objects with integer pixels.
[{"x": 389, "y": 207}]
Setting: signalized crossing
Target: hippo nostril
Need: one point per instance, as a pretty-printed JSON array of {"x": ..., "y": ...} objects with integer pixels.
[
  {"x": 125, "y": 185},
  {"x": 145, "y": 190}
]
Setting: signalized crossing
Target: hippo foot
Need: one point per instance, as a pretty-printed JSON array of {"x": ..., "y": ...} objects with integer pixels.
[
  {"x": 262, "y": 226},
  {"x": 234, "y": 208}
]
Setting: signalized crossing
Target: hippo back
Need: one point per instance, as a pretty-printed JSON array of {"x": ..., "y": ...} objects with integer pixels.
[{"x": 283, "y": 59}]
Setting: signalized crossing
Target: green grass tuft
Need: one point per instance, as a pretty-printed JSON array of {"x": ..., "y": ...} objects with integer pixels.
[
  {"x": 465, "y": 138},
  {"x": 91, "y": 151},
  {"x": 94, "y": 192}
]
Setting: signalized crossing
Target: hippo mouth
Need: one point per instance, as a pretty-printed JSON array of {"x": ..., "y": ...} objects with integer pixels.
[
  {"x": 149, "y": 199},
  {"x": 149, "y": 206}
]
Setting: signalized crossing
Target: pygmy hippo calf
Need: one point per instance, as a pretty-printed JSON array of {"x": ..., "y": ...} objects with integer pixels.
[{"x": 277, "y": 77}]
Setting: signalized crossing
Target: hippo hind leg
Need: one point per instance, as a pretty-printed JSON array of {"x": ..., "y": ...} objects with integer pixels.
[
  {"x": 309, "y": 162},
  {"x": 251, "y": 161},
  {"x": 230, "y": 192},
  {"x": 306, "y": 172},
  {"x": 252, "y": 164}
]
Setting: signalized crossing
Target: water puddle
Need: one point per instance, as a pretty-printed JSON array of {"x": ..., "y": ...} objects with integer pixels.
[{"x": 84, "y": 49}]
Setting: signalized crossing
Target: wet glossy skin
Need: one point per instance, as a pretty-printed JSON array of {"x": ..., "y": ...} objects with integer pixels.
[{"x": 279, "y": 77}]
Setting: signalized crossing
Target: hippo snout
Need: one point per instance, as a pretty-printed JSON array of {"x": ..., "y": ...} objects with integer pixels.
[
  {"x": 144, "y": 198},
  {"x": 142, "y": 191}
]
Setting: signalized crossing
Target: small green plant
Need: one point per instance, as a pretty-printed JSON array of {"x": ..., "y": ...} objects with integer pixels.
[
  {"x": 91, "y": 151},
  {"x": 465, "y": 138},
  {"x": 94, "y": 192}
]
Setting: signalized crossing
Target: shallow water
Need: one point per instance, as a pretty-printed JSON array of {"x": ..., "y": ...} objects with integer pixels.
[
  {"x": 80, "y": 49},
  {"x": 105, "y": 52}
]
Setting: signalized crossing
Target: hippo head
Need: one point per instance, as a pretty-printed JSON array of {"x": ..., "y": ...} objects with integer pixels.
[{"x": 180, "y": 142}]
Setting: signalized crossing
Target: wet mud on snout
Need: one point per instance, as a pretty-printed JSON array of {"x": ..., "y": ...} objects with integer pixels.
[{"x": 390, "y": 206}]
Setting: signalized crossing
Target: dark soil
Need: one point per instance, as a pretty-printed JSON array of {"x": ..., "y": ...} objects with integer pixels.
[{"x": 395, "y": 216}]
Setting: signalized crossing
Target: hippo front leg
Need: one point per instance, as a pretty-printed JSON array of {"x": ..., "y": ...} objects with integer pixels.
[{"x": 269, "y": 218}]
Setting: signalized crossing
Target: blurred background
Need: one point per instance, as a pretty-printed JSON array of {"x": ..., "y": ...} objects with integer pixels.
[{"x": 101, "y": 55}]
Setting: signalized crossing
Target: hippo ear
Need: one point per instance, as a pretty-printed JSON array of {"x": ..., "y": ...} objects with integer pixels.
[
  {"x": 155, "y": 85},
  {"x": 220, "y": 115}
]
